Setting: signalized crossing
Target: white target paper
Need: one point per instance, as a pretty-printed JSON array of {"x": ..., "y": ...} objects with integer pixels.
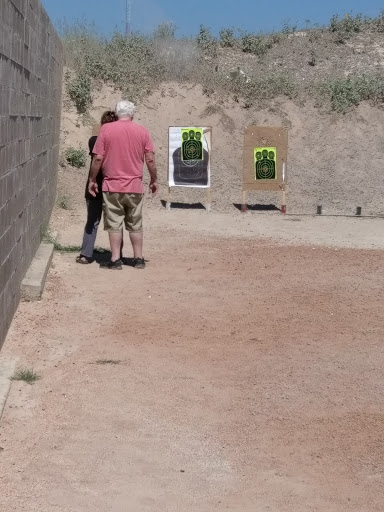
[{"x": 191, "y": 173}]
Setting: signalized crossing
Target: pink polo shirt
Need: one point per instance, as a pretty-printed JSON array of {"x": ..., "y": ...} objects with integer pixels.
[{"x": 122, "y": 145}]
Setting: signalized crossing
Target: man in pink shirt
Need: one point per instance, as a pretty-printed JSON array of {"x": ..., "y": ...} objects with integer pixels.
[{"x": 121, "y": 152}]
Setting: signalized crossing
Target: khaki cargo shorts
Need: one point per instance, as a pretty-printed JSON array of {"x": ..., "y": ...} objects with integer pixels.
[{"x": 122, "y": 209}]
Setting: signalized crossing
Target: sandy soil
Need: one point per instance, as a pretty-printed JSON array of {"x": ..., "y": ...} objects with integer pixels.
[{"x": 250, "y": 373}]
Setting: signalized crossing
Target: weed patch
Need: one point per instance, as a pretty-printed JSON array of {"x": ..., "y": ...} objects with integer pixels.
[
  {"x": 345, "y": 93},
  {"x": 257, "y": 45},
  {"x": 112, "y": 362},
  {"x": 25, "y": 375},
  {"x": 63, "y": 202},
  {"x": 48, "y": 238},
  {"x": 76, "y": 157}
]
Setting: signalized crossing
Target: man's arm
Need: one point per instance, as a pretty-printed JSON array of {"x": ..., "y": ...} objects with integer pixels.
[
  {"x": 97, "y": 161},
  {"x": 151, "y": 165}
]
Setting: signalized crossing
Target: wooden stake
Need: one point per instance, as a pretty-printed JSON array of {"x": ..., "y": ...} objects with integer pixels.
[
  {"x": 283, "y": 202},
  {"x": 168, "y": 204},
  {"x": 283, "y": 198},
  {"x": 244, "y": 202},
  {"x": 208, "y": 200}
]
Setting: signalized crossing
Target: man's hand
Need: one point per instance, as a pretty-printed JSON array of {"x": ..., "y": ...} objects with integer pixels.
[
  {"x": 154, "y": 187},
  {"x": 93, "y": 188},
  {"x": 151, "y": 164}
]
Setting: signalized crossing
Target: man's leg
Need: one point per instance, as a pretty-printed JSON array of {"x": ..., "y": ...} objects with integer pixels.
[
  {"x": 134, "y": 224},
  {"x": 113, "y": 222},
  {"x": 137, "y": 243},
  {"x": 115, "y": 240}
]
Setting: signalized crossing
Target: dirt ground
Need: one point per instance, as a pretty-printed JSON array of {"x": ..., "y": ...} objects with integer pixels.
[{"x": 250, "y": 375}]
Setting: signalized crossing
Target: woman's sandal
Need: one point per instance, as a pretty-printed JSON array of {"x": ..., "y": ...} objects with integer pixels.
[{"x": 83, "y": 260}]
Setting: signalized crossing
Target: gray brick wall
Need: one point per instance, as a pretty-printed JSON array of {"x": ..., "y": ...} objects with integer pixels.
[{"x": 30, "y": 102}]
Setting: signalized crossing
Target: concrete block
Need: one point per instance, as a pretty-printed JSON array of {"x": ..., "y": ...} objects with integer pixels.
[{"x": 32, "y": 286}]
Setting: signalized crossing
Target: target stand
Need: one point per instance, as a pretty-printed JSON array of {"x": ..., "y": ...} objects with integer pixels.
[
  {"x": 189, "y": 161},
  {"x": 207, "y": 203},
  {"x": 265, "y": 162}
]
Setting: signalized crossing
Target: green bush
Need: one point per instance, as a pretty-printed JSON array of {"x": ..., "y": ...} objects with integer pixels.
[
  {"x": 131, "y": 64},
  {"x": 227, "y": 38},
  {"x": 206, "y": 42},
  {"x": 378, "y": 23},
  {"x": 76, "y": 157},
  {"x": 345, "y": 93},
  {"x": 79, "y": 90},
  {"x": 288, "y": 27},
  {"x": 345, "y": 28},
  {"x": 165, "y": 31},
  {"x": 258, "y": 45},
  {"x": 270, "y": 86}
]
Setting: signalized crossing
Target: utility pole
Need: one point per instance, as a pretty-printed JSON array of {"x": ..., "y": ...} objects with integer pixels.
[{"x": 128, "y": 17}]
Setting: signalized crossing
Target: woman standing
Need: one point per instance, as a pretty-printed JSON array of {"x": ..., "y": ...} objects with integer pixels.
[{"x": 94, "y": 204}]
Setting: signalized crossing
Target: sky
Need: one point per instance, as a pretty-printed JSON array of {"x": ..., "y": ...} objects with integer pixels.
[{"x": 248, "y": 15}]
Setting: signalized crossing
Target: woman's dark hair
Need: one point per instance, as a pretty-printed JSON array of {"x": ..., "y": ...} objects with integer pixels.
[{"x": 108, "y": 117}]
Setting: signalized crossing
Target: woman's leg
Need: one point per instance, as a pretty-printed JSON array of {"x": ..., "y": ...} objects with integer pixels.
[{"x": 94, "y": 208}]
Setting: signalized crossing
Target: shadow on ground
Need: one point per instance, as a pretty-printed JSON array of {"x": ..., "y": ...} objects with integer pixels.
[
  {"x": 184, "y": 206},
  {"x": 104, "y": 255},
  {"x": 258, "y": 207}
]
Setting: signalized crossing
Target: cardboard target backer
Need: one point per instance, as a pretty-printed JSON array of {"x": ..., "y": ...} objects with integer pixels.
[
  {"x": 265, "y": 158},
  {"x": 189, "y": 157}
]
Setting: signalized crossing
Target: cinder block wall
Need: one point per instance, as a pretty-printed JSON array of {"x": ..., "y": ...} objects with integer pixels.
[{"x": 30, "y": 102}]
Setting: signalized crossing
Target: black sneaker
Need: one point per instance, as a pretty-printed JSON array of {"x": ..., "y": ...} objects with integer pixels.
[
  {"x": 112, "y": 265},
  {"x": 139, "y": 263}
]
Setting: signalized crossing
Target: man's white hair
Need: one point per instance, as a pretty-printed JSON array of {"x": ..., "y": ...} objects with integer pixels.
[{"x": 125, "y": 109}]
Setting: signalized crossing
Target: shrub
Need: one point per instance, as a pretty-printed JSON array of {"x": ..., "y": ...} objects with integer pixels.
[
  {"x": 263, "y": 87},
  {"x": 76, "y": 157},
  {"x": 344, "y": 28},
  {"x": 165, "y": 31},
  {"x": 313, "y": 58},
  {"x": 79, "y": 90},
  {"x": 288, "y": 27},
  {"x": 378, "y": 23},
  {"x": 206, "y": 42},
  {"x": 344, "y": 93},
  {"x": 270, "y": 86},
  {"x": 258, "y": 45},
  {"x": 227, "y": 38}
]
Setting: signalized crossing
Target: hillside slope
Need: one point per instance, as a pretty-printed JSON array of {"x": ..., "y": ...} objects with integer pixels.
[{"x": 334, "y": 160}]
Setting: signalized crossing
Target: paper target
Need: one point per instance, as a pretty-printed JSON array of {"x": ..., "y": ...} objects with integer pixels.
[
  {"x": 189, "y": 157},
  {"x": 191, "y": 144},
  {"x": 265, "y": 163}
]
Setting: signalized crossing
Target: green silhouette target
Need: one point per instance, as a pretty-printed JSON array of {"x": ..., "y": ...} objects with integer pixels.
[
  {"x": 265, "y": 163},
  {"x": 191, "y": 144}
]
